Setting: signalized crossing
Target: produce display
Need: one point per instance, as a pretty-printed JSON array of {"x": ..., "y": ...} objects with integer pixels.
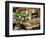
[{"x": 26, "y": 18}]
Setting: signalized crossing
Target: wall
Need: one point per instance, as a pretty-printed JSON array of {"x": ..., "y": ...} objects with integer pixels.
[{"x": 2, "y": 19}]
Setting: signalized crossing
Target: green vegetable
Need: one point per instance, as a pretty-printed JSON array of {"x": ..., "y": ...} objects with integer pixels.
[{"x": 20, "y": 14}]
